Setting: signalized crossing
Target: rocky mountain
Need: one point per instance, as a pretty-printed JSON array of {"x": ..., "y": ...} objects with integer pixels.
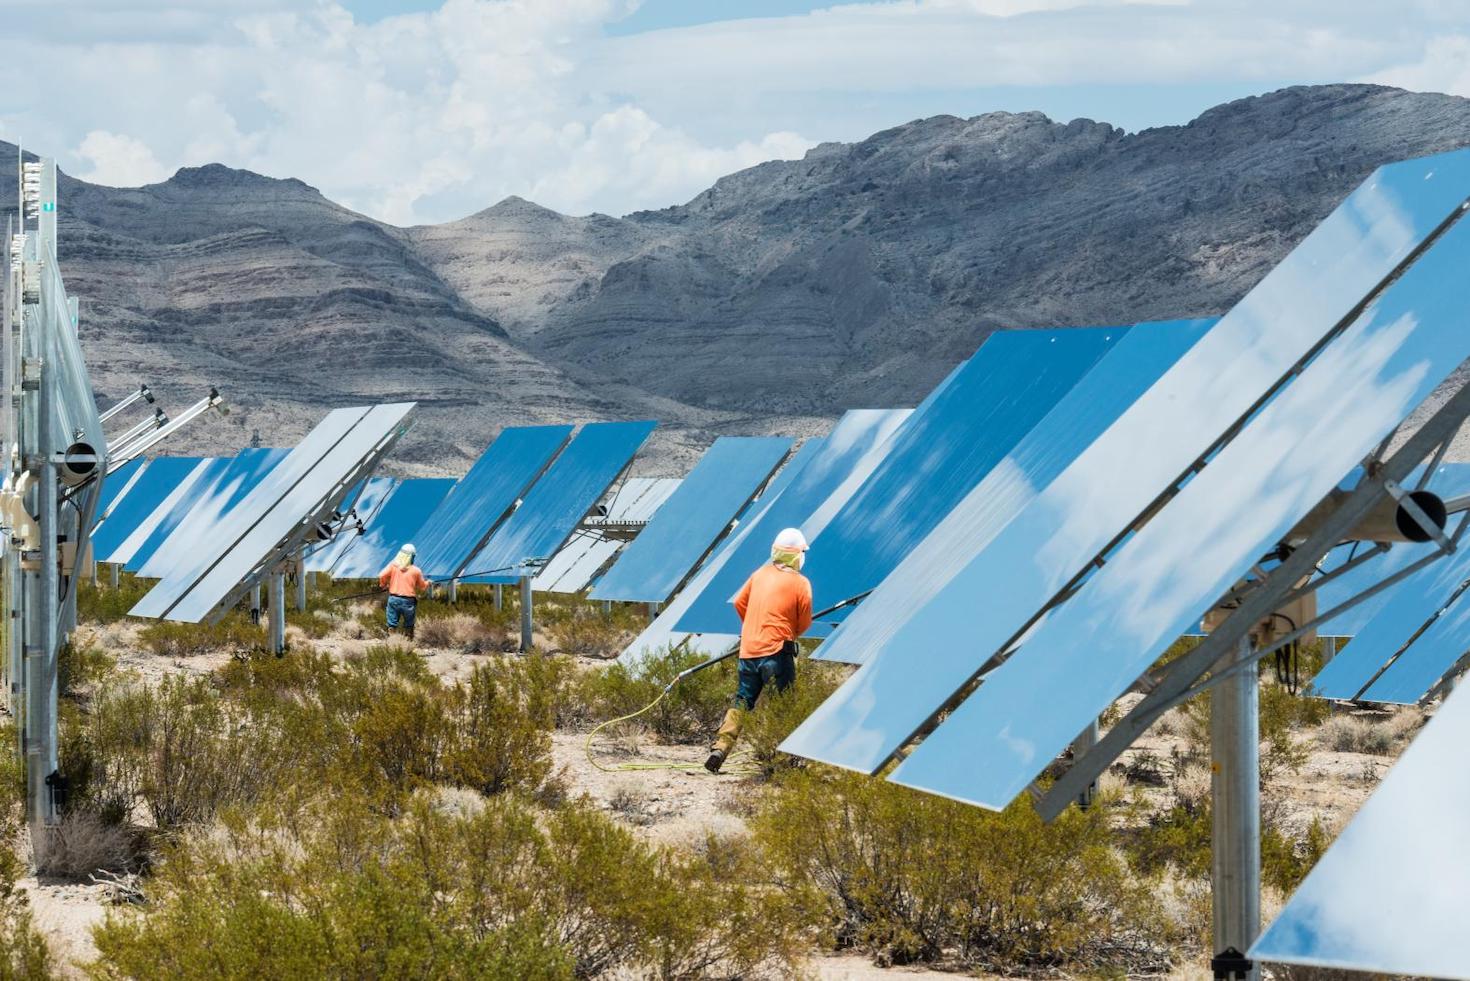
[{"x": 776, "y": 298}]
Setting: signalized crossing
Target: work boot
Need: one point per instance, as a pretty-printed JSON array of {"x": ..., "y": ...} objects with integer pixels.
[{"x": 725, "y": 739}]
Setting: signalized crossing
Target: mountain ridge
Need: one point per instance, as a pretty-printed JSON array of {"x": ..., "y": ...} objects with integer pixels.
[{"x": 769, "y": 302}]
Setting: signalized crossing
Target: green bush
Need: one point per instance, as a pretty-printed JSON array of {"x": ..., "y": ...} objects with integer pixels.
[
  {"x": 234, "y": 633},
  {"x": 507, "y": 892},
  {"x": 689, "y": 714},
  {"x": 911, "y": 877},
  {"x": 502, "y": 722},
  {"x": 103, "y": 604}
]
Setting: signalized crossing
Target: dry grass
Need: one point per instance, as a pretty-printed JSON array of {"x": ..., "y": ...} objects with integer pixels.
[
  {"x": 463, "y": 634},
  {"x": 85, "y": 844}
]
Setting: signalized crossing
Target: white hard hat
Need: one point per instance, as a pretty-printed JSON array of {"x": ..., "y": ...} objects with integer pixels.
[
  {"x": 408, "y": 547},
  {"x": 790, "y": 539}
]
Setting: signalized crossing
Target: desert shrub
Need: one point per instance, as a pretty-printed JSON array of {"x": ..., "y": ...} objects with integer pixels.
[
  {"x": 78, "y": 668},
  {"x": 1282, "y": 716},
  {"x": 585, "y": 631},
  {"x": 505, "y": 892},
  {"x": 464, "y": 633},
  {"x": 1285, "y": 860},
  {"x": 689, "y": 713},
  {"x": 778, "y": 714},
  {"x": 233, "y": 633},
  {"x": 103, "y": 604},
  {"x": 503, "y": 719},
  {"x": 912, "y": 877},
  {"x": 1350, "y": 734},
  {"x": 83, "y": 843}
]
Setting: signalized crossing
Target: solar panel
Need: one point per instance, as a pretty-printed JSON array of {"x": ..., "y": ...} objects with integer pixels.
[
  {"x": 1132, "y": 364},
  {"x": 557, "y": 503},
  {"x": 1011, "y": 383},
  {"x": 1431, "y": 656},
  {"x": 916, "y": 659},
  {"x": 589, "y": 552},
  {"x": 207, "y": 505},
  {"x": 118, "y": 484},
  {"x": 144, "y": 538},
  {"x": 661, "y": 633},
  {"x": 397, "y": 521},
  {"x": 364, "y": 500},
  {"x": 312, "y": 476},
  {"x": 157, "y": 480},
  {"x": 1285, "y": 460},
  {"x": 1390, "y": 895},
  {"x": 721, "y": 484},
  {"x": 484, "y": 496},
  {"x": 828, "y": 478},
  {"x": 1450, "y": 480}
]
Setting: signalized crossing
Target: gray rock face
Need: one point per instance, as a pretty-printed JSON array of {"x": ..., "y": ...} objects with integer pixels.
[{"x": 783, "y": 294}]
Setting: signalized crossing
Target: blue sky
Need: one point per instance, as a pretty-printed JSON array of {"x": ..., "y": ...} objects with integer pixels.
[{"x": 427, "y": 110}]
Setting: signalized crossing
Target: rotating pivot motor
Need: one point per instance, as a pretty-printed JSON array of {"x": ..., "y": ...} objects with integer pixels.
[{"x": 1389, "y": 521}]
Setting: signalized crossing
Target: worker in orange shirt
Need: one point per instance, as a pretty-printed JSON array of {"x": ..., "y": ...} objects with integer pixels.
[
  {"x": 775, "y": 608},
  {"x": 404, "y": 581}
]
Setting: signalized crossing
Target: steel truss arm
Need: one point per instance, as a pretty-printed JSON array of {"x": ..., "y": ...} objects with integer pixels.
[{"x": 1270, "y": 595}]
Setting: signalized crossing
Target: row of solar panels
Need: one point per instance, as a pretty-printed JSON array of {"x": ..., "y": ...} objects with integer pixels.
[
  {"x": 999, "y": 535},
  {"x": 519, "y": 511}
]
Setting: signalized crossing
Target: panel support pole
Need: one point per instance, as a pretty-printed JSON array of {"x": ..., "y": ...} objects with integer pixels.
[
  {"x": 300, "y": 586},
  {"x": 114, "y": 572},
  {"x": 527, "y": 625},
  {"x": 652, "y": 612},
  {"x": 1085, "y": 740},
  {"x": 276, "y": 608},
  {"x": 452, "y": 591},
  {"x": 255, "y": 603},
  {"x": 1235, "y": 786},
  {"x": 499, "y": 597}
]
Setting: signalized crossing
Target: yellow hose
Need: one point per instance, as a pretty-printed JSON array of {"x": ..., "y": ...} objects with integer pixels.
[{"x": 731, "y": 766}]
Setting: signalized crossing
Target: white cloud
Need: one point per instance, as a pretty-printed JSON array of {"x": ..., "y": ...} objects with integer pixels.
[
  {"x": 1444, "y": 67},
  {"x": 433, "y": 115},
  {"x": 118, "y": 160}
]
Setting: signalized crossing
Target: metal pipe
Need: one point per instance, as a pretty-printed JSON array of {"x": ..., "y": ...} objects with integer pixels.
[
  {"x": 453, "y": 591},
  {"x": 1235, "y": 786},
  {"x": 527, "y": 626},
  {"x": 114, "y": 574},
  {"x": 300, "y": 587},
  {"x": 499, "y": 598},
  {"x": 255, "y": 603},
  {"x": 141, "y": 393}
]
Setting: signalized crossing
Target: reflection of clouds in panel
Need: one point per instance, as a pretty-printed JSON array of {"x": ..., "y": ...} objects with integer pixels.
[
  {"x": 1290, "y": 455},
  {"x": 175, "y": 499},
  {"x": 1391, "y": 894},
  {"x": 876, "y": 432},
  {"x": 1263, "y": 480},
  {"x": 936, "y": 560}
]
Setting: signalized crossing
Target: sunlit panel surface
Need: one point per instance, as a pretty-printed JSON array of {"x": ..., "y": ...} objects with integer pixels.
[
  {"x": 170, "y": 511},
  {"x": 661, "y": 633},
  {"x": 484, "y": 496},
  {"x": 208, "y": 506},
  {"x": 159, "y": 479},
  {"x": 295, "y": 487},
  {"x": 1263, "y": 482},
  {"x": 721, "y": 484},
  {"x": 364, "y": 500},
  {"x": 558, "y": 501},
  {"x": 395, "y": 522},
  {"x": 1410, "y": 606},
  {"x": 916, "y": 657},
  {"x": 1429, "y": 658},
  {"x": 588, "y": 552},
  {"x": 943, "y": 451},
  {"x": 1392, "y": 893},
  {"x": 118, "y": 484},
  {"x": 1128, "y": 369},
  {"x": 827, "y": 479}
]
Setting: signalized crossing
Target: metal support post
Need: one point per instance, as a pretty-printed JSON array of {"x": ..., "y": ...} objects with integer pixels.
[
  {"x": 114, "y": 574},
  {"x": 277, "y": 613},
  {"x": 452, "y": 591},
  {"x": 607, "y": 608},
  {"x": 300, "y": 586},
  {"x": 527, "y": 626},
  {"x": 1236, "y": 791},
  {"x": 255, "y": 603},
  {"x": 1329, "y": 650},
  {"x": 1085, "y": 741},
  {"x": 652, "y": 611},
  {"x": 499, "y": 598}
]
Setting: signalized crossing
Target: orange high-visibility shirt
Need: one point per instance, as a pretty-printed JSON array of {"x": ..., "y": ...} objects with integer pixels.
[
  {"x": 399, "y": 581},
  {"x": 775, "y": 605}
]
